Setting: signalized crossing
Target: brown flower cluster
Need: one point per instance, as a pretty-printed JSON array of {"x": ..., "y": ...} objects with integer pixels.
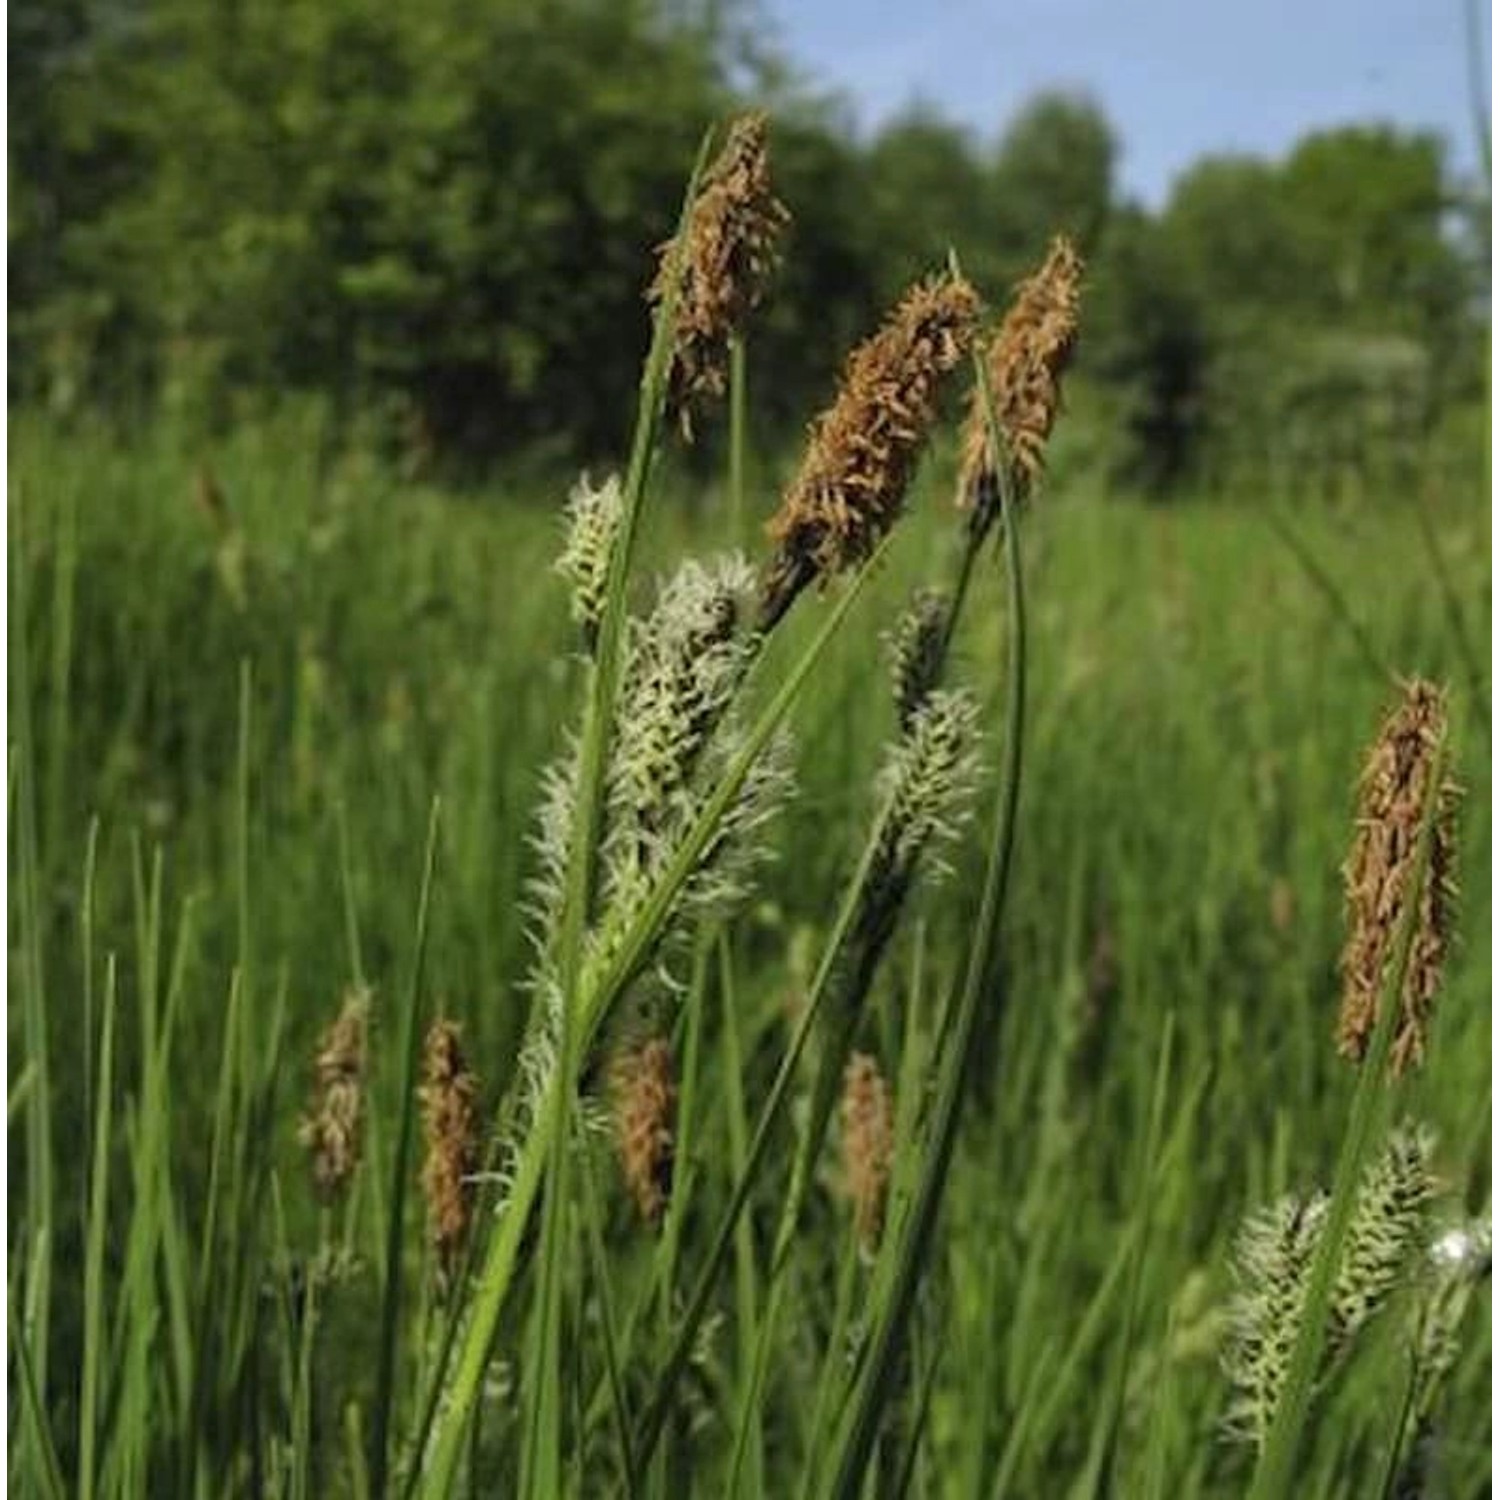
[
  {"x": 1392, "y": 793},
  {"x": 450, "y": 1126},
  {"x": 867, "y": 1133},
  {"x": 1026, "y": 360},
  {"x": 732, "y": 231},
  {"x": 645, "y": 1107},
  {"x": 862, "y": 450},
  {"x": 332, "y": 1130}
]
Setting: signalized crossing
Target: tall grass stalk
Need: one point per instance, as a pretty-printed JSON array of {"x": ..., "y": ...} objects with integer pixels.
[
  {"x": 41, "y": 1205},
  {"x": 659, "y": 1405},
  {"x": 39, "y": 1461},
  {"x": 1278, "y": 1457},
  {"x": 93, "y": 1272},
  {"x": 1099, "y": 1474},
  {"x": 635, "y": 946},
  {"x": 746, "y": 1269},
  {"x": 58, "y": 737},
  {"x": 543, "y": 1450},
  {"x": 878, "y": 1368},
  {"x": 599, "y": 1273}
]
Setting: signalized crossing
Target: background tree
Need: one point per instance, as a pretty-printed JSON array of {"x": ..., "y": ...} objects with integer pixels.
[
  {"x": 1053, "y": 172},
  {"x": 439, "y": 220}
]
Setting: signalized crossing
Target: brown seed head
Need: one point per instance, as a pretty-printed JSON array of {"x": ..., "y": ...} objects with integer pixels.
[
  {"x": 862, "y": 450},
  {"x": 1026, "y": 360},
  {"x": 865, "y": 1118},
  {"x": 332, "y": 1129},
  {"x": 645, "y": 1107},
  {"x": 450, "y": 1125},
  {"x": 731, "y": 232},
  {"x": 1392, "y": 793},
  {"x": 208, "y": 496}
]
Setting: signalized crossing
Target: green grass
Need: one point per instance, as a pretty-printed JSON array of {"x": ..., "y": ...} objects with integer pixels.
[{"x": 224, "y": 758}]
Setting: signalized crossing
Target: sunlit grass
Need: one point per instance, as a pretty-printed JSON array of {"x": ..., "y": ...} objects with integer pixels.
[{"x": 1162, "y": 1064}]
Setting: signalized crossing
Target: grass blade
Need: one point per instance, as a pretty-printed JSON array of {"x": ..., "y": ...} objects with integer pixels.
[
  {"x": 40, "y": 1200},
  {"x": 390, "y": 1320},
  {"x": 1100, "y": 1474},
  {"x": 540, "y": 1470},
  {"x": 659, "y": 1406},
  {"x": 46, "y": 1471},
  {"x": 93, "y": 1273},
  {"x": 599, "y": 1267}
]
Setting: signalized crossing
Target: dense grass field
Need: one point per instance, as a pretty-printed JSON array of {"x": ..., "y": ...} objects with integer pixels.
[{"x": 238, "y": 706}]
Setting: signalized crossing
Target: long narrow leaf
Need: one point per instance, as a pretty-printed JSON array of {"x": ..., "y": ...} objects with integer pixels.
[
  {"x": 390, "y": 1322},
  {"x": 542, "y": 1450},
  {"x": 93, "y": 1272},
  {"x": 46, "y": 1471}
]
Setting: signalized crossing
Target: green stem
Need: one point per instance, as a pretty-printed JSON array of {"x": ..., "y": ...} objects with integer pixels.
[
  {"x": 737, "y": 402},
  {"x": 858, "y": 1431},
  {"x": 46, "y": 1472},
  {"x": 657, "y": 1412},
  {"x": 585, "y": 836},
  {"x": 385, "y": 1380},
  {"x": 40, "y": 1201}
]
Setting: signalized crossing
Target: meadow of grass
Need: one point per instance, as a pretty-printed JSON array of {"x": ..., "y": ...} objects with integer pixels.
[{"x": 282, "y": 732}]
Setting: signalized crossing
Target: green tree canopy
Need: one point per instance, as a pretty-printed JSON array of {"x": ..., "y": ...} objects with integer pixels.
[{"x": 446, "y": 214}]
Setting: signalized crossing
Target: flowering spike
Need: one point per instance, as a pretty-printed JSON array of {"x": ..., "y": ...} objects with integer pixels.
[
  {"x": 916, "y": 646},
  {"x": 450, "y": 1125},
  {"x": 732, "y": 231},
  {"x": 1389, "y": 1223},
  {"x": 593, "y": 523},
  {"x": 645, "y": 1096},
  {"x": 862, "y": 450},
  {"x": 1392, "y": 795},
  {"x": 865, "y": 1115},
  {"x": 332, "y": 1130},
  {"x": 1026, "y": 360}
]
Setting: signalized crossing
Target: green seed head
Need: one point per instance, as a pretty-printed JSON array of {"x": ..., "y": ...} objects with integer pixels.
[
  {"x": 593, "y": 523},
  {"x": 916, "y": 646}
]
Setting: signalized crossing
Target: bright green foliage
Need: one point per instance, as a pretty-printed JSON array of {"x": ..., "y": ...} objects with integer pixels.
[{"x": 1196, "y": 726}]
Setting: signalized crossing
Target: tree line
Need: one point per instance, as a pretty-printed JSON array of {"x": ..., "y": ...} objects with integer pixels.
[{"x": 442, "y": 217}]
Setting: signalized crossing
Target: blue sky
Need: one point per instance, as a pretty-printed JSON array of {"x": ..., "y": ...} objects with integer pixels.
[{"x": 1177, "y": 78}]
